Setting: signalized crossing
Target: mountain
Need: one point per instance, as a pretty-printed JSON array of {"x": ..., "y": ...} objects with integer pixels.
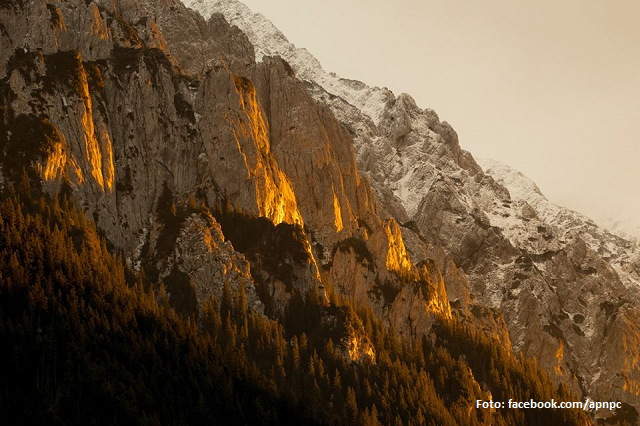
[
  {"x": 320, "y": 247},
  {"x": 566, "y": 287},
  {"x": 621, "y": 253}
]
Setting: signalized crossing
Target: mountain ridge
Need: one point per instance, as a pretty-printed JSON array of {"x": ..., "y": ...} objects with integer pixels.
[
  {"x": 214, "y": 174},
  {"x": 421, "y": 175}
]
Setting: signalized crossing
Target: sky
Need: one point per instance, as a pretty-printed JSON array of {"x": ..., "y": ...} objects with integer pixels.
[{"x": 551, "y": 88}]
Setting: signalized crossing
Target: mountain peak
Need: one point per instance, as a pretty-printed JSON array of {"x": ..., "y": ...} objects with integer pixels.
[{"x": 519, "y": 185}]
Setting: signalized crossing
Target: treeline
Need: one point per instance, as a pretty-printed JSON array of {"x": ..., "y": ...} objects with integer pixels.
[{"x": 86, "y": 341}]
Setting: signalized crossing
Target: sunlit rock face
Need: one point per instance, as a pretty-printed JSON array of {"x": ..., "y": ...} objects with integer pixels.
[
  {"x": 561, "y": 283},
  {"x": 171, "y": 136},
  {"x": 359, "y": 350},
  {"x": 359, "y": 190},
  {"x": 202, "y": 256}
]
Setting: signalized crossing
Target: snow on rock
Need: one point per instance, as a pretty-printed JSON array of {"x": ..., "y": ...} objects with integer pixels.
[
  {"x": 618, "y": 251},
  {"x": 269, "y": 41}
]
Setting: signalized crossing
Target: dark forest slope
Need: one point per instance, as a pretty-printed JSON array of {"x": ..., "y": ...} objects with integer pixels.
[{"x": 87, "y": 342}]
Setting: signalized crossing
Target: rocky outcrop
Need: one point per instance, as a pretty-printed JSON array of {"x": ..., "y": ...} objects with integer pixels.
[
  {"x": 355, "y": 242},
  {"x": 121, "y": 130},
  {"x": 200, "y": 264}
]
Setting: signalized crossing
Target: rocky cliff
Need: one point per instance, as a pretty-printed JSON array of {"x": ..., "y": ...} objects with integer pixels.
[
  {"x": 566, "y": 288},
  {"x": 214, "y": 156},
  {"x": 170, "y": 135}
]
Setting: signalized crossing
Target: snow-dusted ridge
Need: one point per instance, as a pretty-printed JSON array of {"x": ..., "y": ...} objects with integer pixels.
[
  {"x": 269, "y": 41},
  {"x": 619, "y": 251},
  {"x": 396, "y": 170}
]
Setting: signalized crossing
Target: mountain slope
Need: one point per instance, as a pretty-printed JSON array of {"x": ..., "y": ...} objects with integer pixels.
[
  {"x": 87, "y": 341},
  {"x": 619, "y": 252},
  {"x": 564, "y": 285},
  {"x": 285, "y": 274},
  {"x": 215, "y": 175}
]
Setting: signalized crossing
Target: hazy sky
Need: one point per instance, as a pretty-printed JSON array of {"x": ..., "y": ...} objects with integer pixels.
[{"x": 551, "y": 88}]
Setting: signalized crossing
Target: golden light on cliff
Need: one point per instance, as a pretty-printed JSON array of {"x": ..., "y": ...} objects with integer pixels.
[
  {"x": 630, "y": 347},
  {"x": 359, "y": 348},
  {"x": 59, "y": 162},
  {"x": 274, "y": 193},
  {"x": 559, "y": 358},
  {"x": 337, "y": 212},
  {"x": 98, "y": 26},
  {"x": 55, "y": 163},
  {"x": 397, "y": 257},
  {"x": 102, "y": 170},
  {"x": 438, "y": 303},
  {"x": 631, "y": 386},
  {"x": 208, "y": 239}
]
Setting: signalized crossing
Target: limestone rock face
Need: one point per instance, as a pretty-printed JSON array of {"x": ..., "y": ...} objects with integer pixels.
[
  {"x": 202, "y": 255},
  {"x": 508, "y": 257},
  {"x": 209, "y": 160},
  {"x": 206, "y": 168},
  {"x": 120, "y": 121}
]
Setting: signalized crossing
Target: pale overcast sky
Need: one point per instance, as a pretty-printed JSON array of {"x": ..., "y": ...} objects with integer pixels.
[{"x": 551, "y": 88}]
